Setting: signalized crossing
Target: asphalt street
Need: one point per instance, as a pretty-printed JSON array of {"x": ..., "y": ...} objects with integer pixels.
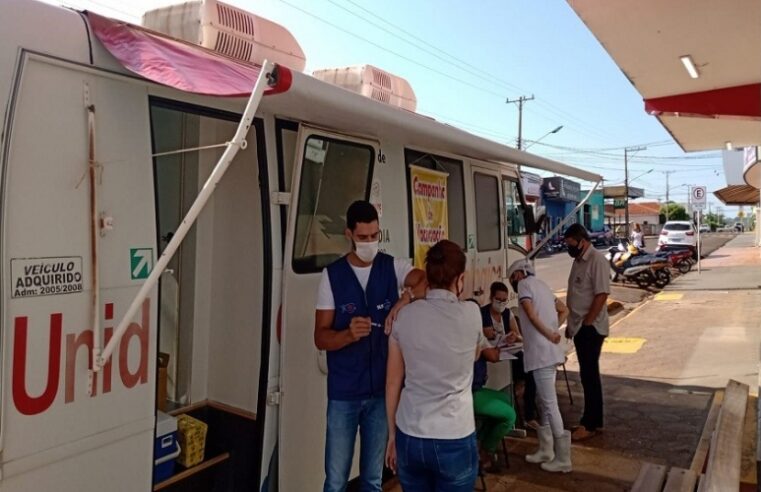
[{"x": 555, "y": 269}]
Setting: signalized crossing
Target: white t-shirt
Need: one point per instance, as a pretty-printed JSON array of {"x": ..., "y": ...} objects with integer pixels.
[
  {"x": 538, "y": 352},
  {"x": 438, "y": 337},
  {"x": 637, "y": 239},
  {"x": 325, "y": 300}
]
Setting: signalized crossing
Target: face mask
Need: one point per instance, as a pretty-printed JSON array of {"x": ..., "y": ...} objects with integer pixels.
[
  {"x": 574, "y": 251},
  {"x": 366, "y": 251},
  {"x": 499, "y": 306}
]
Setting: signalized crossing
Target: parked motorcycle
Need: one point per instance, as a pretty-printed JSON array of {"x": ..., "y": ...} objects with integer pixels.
[
  {"x": 680, "y": 259},
  {"x": 630, "y": 264},
  {"x": 555, "y": 246}
]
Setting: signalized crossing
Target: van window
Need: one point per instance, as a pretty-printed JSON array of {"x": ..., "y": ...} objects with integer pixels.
[
  {"x": 516, "y": 224},
  {"x": 334, "y": 174},
  {"x": 487, "y": 212},
  {"x": 455, "y": 190}
]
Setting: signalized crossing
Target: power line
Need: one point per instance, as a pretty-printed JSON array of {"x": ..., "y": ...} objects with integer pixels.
[
  {"x": 460, "y": 61},
  {"x": 404, "y": 57},
  {"x": 485, "y": 75}
]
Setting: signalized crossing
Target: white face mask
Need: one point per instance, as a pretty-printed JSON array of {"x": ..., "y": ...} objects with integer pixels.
[
  {"x": 366, "y": 251},
  {"x": 499, "y": 306}
]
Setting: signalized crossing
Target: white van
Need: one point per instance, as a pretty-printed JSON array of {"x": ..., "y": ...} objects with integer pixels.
[{"x": 104, "y": 147}]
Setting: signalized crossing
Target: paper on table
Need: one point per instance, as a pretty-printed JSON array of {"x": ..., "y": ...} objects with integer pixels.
[{"x": 504, "y": 354}]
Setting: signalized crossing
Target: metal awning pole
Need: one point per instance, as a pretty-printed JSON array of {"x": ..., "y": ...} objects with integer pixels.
[
  {"x": 238, "y": 142},
  {"x": 538, "y": 247}
]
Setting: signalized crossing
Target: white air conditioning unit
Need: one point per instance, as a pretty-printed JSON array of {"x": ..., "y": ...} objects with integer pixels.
[
  {"x": 372, "y": 82},
  {"x": 228, "y": 30}
]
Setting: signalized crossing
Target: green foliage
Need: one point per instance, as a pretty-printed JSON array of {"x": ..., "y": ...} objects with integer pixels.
[{"x": 675, "y": 212}]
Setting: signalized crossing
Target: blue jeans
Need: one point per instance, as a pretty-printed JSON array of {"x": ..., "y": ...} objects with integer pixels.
[
  {"x": 436, "y": 465},
  {"x": 344, "y": 417}
]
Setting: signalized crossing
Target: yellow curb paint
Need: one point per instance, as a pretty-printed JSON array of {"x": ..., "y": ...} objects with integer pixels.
[
  {"x": 669, "y": 296},
  {"x": 620, "y": 345}
]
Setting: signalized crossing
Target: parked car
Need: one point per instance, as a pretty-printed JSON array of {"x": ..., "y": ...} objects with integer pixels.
[
  {"x": 678, "y": 233},
  {"x": 705, "y": 228},
  {"x": 739, "y": 227},
  {"x": 604, "y": 237}
]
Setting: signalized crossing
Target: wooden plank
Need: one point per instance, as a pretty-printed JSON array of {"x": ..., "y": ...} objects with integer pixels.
[
  {"x": 188, "y": 408},
  {"x": 701, "y": 452},
  {"x": 725, "y": 458},
  {"x": 702, "y": 483},
  {"x": 681, "y": 480},
  {"x": 650, "y": 478},
  {"x": 191, "y": 471}
]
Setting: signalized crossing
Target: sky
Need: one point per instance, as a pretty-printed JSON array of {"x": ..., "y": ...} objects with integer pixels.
[{"x": 465, "y": 59}]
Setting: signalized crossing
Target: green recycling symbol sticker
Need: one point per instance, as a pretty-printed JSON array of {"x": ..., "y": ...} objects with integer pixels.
[{"x": 140, "y": 262}]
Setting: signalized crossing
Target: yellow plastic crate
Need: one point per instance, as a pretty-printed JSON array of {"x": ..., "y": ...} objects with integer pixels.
[{"x": 192, "y": 436}]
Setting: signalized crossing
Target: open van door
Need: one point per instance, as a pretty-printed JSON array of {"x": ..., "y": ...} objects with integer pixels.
[
  {"x": 519, "y": 219},
  {"x": 331, "y": 171},
  {"x": 488, "y": 257}
]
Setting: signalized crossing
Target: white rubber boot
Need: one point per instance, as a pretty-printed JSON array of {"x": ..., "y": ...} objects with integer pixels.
[
  {"x": 562, "y": 461},
  {"x": 545, "y": 452}
]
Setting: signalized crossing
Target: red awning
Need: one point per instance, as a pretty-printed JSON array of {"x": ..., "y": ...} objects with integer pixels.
[
  {"x": 178, "y": 64},
  {"x": 743, "y": 102}
]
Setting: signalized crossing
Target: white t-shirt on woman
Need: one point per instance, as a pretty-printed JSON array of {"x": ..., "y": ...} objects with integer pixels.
[
  {"x": 438, "y": 336},
  {"x": 637, "y": 239}
]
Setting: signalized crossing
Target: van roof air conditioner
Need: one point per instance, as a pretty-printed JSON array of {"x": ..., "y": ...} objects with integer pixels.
[
  {"x": 228, "y": 30},
  {"x": 372, "y": 82}
]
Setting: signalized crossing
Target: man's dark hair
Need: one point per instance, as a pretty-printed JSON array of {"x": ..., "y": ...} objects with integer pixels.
[
  {"x": 577, "y": 232},
  {"x": 498, "y": 287},
  {"x": 360, "y": 211}
]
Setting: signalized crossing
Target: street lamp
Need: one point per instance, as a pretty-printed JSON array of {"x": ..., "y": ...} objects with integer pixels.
[
  {"x": 643, "y": 174},
  {"x": 545, "y": 135}
]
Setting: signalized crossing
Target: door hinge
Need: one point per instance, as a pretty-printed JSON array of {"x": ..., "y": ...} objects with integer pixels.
[
  {"x": 273, "y": 399},
  {"x": 280, "y": 198}
]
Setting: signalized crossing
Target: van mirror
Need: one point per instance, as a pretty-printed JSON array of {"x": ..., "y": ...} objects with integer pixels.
[{"x": 532, "y": 225}]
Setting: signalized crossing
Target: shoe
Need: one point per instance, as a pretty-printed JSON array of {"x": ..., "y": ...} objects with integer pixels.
[
  {"x": 581, "y": 433},
  {"x": 562, "y": 461},
  {"x": 545, "y": 452}
]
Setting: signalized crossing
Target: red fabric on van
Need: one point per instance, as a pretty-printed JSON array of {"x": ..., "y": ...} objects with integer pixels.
[{"x": 178, "y": 64}]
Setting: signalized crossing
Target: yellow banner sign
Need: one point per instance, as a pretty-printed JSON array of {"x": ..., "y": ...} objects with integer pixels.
[{"x": 430, "y": 221}]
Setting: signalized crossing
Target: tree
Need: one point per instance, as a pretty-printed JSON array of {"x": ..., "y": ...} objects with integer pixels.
[
  {"x": 714, "y": 220},
  {"x": 675, "y": 212}
]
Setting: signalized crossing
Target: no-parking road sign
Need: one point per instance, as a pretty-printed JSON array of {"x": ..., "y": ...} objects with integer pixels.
[{"x": 698, "y": 197}]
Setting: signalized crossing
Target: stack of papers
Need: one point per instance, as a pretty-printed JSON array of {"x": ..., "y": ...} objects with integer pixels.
[{"x": 506, "y": 353}]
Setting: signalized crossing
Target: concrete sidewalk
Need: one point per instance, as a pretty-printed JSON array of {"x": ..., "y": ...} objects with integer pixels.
[
  {"x": 662, "y": 362},
  {"x": 736, "y": 266},
  {"x": 660, "y": 367}
]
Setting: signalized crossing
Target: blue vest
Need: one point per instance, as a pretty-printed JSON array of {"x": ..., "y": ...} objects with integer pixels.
[
  {"x": 358, "y": 371},
  {"x": 479, "y": 369}
]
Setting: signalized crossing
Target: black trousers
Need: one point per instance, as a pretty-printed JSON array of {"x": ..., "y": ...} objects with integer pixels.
[{"x": 588, "y": 347}]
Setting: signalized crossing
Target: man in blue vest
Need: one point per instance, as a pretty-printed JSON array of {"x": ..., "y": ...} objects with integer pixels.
[{"x": 358, "y": 295}]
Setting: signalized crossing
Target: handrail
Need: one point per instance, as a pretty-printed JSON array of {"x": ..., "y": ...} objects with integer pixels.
[{"x": 266, "y": 77}]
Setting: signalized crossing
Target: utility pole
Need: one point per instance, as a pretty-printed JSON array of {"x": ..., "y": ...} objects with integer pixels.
[
  {"x": 626, "y": 182},
  {"x": 520, "y": 102},
  {"x": 667, "y": 193}
]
